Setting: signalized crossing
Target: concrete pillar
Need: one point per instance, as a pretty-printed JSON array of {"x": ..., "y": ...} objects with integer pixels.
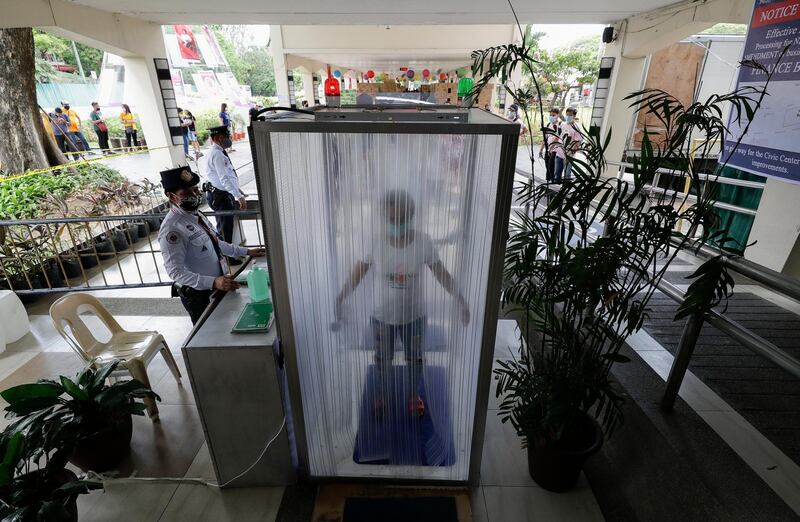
[{"x": 279, "y": 64}]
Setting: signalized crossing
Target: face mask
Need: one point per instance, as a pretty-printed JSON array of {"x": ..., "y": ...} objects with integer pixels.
[
  {"x": 570, "y": 118},
  {"x": 191, "y": 203},
  {"x": 552, "y": 119},
  {"x": 396, "y": 230}
]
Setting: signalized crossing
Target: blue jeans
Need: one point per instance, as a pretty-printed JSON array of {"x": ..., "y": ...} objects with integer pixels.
[
  {"x": 385, "y": 335},
  {"x": 186, "y": 143},
  {"x": 78, "y": 137},
  {"x": 562, "y": 166}
]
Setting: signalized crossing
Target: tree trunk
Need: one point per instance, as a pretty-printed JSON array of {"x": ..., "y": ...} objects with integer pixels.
[{"x": 24, "y": 145}]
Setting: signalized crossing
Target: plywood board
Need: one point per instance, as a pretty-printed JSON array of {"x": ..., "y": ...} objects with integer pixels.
[{"x": 676, "y": 70}]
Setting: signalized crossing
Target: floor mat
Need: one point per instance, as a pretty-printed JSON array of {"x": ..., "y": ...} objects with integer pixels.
[
  {"x": 388, "y": 509},
  {"x": 389, "y": 431}
]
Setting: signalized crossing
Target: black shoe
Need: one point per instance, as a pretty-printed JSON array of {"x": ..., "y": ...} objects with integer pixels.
[{"x": 234, "y": 261}]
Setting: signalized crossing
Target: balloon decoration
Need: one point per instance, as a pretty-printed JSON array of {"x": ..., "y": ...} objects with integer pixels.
[
  {"x": 410, "y": 73},
  {"x": 370, "y": 74},
  {"x": 425, "y": 73},
  {"x": 337, "y": 73},
  {"x": 442, "y": 77},
  {"x": 461, "y": 72}
]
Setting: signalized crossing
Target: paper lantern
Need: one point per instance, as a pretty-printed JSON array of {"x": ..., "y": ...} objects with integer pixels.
[
  {"x": 425, "y": 73},
  {"x": 337, "y": 73},
  {"x": 461, "y": 72},
  {"x": 370, "y": 74},
  {"x": 442, "y": 77},
  {"x": 464, "y": 87},
  {"x": 404, "y": 69},
  {"x": 410, "y": 73}
]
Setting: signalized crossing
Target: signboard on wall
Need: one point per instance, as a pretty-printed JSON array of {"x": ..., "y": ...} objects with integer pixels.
[
  {"x": 187, "y": 43},
  {"x": 772, "y": 144}
]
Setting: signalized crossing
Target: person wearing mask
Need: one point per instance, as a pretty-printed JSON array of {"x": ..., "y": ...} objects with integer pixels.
[
  {"x": 571, "y": 138},
  {"x": 184, "y": 132},
  {"x": 129, "y": 122},
  {"x": 398, "y": 256},
  {"x": 514, "y": 116},
  {"x": 100, "y": 127},
  {"x": 75, "y": 133},
  {"x": 551, "y": 141},
  {"x": 193, "y": 135},
  {"x": 254, "y": 111},
  {"x": 225, "y": 192},
  {"x": 194, "y": 255},
  {"x": 225, "y": 121},
  {"x": 59, "y": 122}
]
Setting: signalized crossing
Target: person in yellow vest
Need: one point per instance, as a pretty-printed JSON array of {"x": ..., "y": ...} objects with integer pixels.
[
  {"x": 75, "y": 133},
  {"x": 129, "y": 122}
]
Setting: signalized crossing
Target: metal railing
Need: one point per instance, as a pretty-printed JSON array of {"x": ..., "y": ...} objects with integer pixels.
[
  {"x": 774, "y": 281},
  {"x": 92, "y": 253},
  {"x": 770, "y": 279}
]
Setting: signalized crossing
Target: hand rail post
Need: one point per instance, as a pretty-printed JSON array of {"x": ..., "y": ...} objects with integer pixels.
[{"x": 681, "y": 362}]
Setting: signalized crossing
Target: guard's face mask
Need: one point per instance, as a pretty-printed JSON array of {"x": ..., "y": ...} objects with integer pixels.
[{"x": 191, "y": 203}]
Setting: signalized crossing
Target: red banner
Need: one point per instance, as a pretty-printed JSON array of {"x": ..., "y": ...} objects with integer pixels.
[
  {"x": 776, "y": 13},
  {"x": 187, "y": 43}
]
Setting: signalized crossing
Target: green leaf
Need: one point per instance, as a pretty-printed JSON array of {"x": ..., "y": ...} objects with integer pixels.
[
  {"x": 28, "y": 406},
  {"x": 616, "y": 357},
  {"x": 31, "y": 391},
  {"x": 73, "y": 389}
]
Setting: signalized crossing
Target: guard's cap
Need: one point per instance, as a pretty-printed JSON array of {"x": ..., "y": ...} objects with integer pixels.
[
  {"x": 64, "y": 102},
  {"x": 178, "y": 178},
  {"x": 220, "y": 129}
]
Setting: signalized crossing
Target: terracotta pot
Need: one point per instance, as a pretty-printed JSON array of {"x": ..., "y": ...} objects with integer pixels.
[
  {"x": 105, "y": 449},
  {"x": 556, "y": 466}
]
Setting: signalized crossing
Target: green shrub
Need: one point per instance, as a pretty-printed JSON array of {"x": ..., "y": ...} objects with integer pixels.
[
  {"x": 115, "y": 127},
  {"x": 22, "y": 198},
  {"x": 204, "y": 120}
]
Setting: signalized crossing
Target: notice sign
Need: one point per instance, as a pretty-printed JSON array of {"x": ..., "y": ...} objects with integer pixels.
[{"x": 772, "y": 144}]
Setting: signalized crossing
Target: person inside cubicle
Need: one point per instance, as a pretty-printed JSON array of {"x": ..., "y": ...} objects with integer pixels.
[{"x": 398, "y": 255}]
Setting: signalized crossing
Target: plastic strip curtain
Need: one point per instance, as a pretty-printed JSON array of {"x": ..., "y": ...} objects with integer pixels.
[{"x": 397, "y": 229}]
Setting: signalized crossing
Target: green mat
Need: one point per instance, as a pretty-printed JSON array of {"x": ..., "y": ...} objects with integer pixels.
[{"x": 256, "y": 317}]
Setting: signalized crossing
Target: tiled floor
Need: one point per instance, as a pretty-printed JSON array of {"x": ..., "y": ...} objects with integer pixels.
[{"x": 175, "y": 446}]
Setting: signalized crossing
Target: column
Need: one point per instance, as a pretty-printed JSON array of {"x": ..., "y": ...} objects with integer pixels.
[{"x": 279, "y": 64}]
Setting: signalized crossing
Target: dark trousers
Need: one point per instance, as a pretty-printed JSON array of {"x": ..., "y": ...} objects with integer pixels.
[
  {"x": 62, "y": 142},
  {"x": 221, "y": 200},
  {"x": 385, "y": 336},
  {"x": 102, "y": 139},
  {"x": 194, "y": 301},
  {"x": 550, "y": 165},
  {"x": 130, "y": 135}
]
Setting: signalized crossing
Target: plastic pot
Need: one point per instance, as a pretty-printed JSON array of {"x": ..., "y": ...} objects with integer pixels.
[
  {"x": 52, "y": 272},
  {"x": 154, "y": 223},
  {"x": 106, "y": 448},
  {"x": 119, "y": 239},
  {"x": 72, "y": 266},
  {"x": 556, "y": 466},
  {"x": 88, "y": 257},
  {"x": 105, "y": 249}
]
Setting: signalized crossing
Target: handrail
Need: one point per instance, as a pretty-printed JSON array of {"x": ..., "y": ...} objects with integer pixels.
[
  {"x": 706, "y": 177},
  {"x": 739, "y": 333},
  {"x": 120, "y": 217}
]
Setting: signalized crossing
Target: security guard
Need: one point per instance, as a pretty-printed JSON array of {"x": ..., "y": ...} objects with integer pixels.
[
  {"x": 193, "y": 252},
  {"x": 225, "y": 191}
]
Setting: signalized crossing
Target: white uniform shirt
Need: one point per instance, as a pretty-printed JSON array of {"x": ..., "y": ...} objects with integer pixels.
[
  {"x": 571, "y": 138},
  {"x": 220, "y": 171},
  {"x": 400, "y": 273},
  {"x": 188, "y": 251}
]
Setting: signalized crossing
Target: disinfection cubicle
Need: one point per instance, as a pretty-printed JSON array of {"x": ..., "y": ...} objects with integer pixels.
[{"x": 385, "y": 233}]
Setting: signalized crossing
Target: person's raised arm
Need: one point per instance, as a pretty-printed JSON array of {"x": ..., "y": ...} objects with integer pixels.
[{"x": 448, "y": 283}]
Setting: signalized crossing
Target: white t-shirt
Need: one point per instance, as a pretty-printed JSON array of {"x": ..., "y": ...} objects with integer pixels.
[{"x": 400, "y": 273}]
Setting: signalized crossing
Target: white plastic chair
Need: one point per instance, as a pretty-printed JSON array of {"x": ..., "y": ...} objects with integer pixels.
[{"x": 135, "y": 350}]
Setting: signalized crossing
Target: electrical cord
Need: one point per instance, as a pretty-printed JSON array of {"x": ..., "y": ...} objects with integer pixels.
[{"x": 93, "y": 475}]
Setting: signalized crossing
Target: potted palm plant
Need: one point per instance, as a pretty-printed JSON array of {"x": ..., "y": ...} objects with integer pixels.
[
  {"x": 582, "y": 264},
  {"x": 86, "y": 419}
]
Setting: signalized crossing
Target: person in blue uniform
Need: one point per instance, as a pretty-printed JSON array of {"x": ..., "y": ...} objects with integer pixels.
[
  {"x": 194, "y": 254},
  {"x": 225, "y": 191}
]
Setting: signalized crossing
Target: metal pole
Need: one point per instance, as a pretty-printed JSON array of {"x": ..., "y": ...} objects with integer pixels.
[
  {"x": 78, "y": 59},
  {"x": 682, "y": 356}
]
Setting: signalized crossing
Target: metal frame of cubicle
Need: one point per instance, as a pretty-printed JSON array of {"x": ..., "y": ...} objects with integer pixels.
[{"x": 380, "y": 120}]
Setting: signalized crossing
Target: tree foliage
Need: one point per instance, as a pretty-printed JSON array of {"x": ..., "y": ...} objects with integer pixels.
[
  {"x": 50, "y": 47},
  {"x": 251, "y": 65}
]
